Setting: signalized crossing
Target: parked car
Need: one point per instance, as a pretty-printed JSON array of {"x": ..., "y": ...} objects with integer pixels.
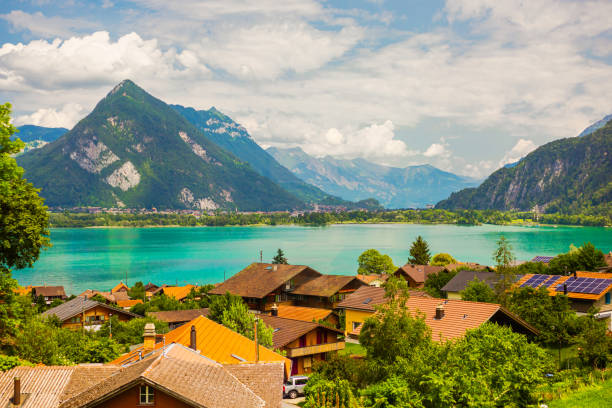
[{"x": 295, "y": 386}]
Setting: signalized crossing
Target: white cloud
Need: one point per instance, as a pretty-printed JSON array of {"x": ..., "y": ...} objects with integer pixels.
[
  {"x": 66, "y": 117},
  {"x": 46, "y": 27},
  {"x": 521, "y": 149},
  {"x": 437, "y": 150}
]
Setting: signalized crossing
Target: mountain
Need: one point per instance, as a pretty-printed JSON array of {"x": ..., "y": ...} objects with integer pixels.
[
  {"x": 37, "y": 136},
  {"x": 414, "y": 186},
  {"x": 566, "y": 175},
  {"x": 234, "y": 138},
  {"x": 133, "y": 150},
  {"x": 595, "y": 126}
]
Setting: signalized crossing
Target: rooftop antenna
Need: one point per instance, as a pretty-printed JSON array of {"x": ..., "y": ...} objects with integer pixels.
[
  {"x": 224, "y": 275},
  {"x": 260, "y": 256}
]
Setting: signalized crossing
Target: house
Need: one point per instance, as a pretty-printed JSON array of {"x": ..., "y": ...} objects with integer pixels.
[
  {"x": 373, "y": 279},
  {"x": 150, "y": 287},
  {"x": 261, "y": 285},
  {"x": 543, "y": 259},
  {"x": 461, "y": 280},
  {"x": 585, "y": 290},
  {"x": 176, "y": 318},
  {"x": 86, "y": 313},
  {"x": 416, "y": 275},
  {"x": 214, "y": 341},
  {"x": 121, "y": 287},
  {"x": 325, "y": 291},
  {"x": 128, "y": 303},
  {"x": 49, "y": 293},
  {"x": 307, "y": 314},
  {"x": 447, "y": 318},
  {"x": 176, "y": 376},
  {"x": 180, "y": 293},
  {"x": 303, "y": 342}
]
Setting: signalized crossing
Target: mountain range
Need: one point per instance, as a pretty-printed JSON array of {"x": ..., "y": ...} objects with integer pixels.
[
  {"x": 356, "y": 179},
  {"x": 35, "y": 137},
  {"x": 134, "y": 150},
  {"x": 568, "y": 175}
]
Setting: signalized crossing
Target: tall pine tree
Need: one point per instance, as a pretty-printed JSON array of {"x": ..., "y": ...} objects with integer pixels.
[
  {"x": 419, "y": 252},
  {"x": 280, "y": 258}
]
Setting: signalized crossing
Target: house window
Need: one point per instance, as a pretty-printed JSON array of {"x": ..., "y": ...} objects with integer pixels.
[
  {"x": 146, "y": 395},
  {"x": 356, "y": 325},
  {"x": 608, "y": 295}
]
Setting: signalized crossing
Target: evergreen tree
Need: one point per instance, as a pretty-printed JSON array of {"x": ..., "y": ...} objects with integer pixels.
[
  {"x": 280, "y": 258},
  {"x": 419, "y": 252},
  {"x": 504, "y": 258}
]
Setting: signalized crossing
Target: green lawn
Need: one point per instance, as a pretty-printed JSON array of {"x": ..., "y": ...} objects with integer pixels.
[
  {"x": 352, "y": 348},
  {"x": 590, "y": 397}
]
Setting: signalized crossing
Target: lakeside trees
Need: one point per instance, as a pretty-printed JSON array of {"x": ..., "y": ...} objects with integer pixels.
[{"x": 372, "y": 262}]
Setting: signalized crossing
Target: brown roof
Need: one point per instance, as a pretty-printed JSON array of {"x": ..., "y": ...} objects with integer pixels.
[
  {"x": 288, "y": 330},
  {"x": 259, "y": 279},
  {"x": 368, "y": 279},
  {"x": 306, "y": 314},
  {"x": 121, "y": 287},
  {"x": 459, "y": 316},
  {"x": 324, "y": 285},
  {"x": 180, "y": 372},
  {"x": 89, "y": 293},
  {"x": 264, "y": 379},
  {"x": 150, "y": 287},
  {"x": 49, "y": 291},
  {"x": 366, "y": 297},
  {"x": 47, "y": 386},
  {"x": 178, "y": 316},
  {"x": 418, "y": 273}
]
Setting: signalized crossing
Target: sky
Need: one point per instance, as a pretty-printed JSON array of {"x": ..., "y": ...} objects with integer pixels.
[{"x": 464, "y": 85}]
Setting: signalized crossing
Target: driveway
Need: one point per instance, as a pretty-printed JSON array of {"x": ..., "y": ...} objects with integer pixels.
[{"x": 291, "y": 403}]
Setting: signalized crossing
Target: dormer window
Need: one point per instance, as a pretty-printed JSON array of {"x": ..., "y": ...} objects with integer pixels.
[{"x": 147, "y": 396}]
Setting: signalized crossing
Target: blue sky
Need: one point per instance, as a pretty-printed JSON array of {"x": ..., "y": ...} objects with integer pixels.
[{"x": 465, "y": 85}]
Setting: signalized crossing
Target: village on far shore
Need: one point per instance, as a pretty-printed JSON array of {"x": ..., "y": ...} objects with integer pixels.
[{"x": 312, "y": 317}]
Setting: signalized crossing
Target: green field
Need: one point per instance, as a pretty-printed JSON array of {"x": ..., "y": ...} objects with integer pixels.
[{"x": 599, "y": 396}]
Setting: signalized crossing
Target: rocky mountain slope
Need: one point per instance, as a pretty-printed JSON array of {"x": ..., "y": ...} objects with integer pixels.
[
  {"x": 234, "y": 138},
  {"x": 414, "y": 186},
  {"x": 568, "y": 175},
  {"x": 134, "y": 150}
]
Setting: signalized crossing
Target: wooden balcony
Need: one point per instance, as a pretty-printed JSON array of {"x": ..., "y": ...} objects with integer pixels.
[{"x": 316, "y": 349}]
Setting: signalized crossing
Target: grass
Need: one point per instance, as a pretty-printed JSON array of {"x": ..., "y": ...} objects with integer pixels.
[
  {"x": 353, "y": 348},
  {"x": 599, "y": 395}
]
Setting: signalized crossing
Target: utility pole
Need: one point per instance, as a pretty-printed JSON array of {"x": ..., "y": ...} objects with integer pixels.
[{"x": 260, "y": 256}]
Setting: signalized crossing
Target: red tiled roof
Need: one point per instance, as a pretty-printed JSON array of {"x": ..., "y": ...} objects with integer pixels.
[
  {"x": 288, "y": 330},
  {"x": 366, "y": 297},
  {"x": 306, "y": 314}
]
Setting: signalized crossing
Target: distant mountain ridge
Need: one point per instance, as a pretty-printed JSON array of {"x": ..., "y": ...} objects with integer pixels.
[
  {"x": 595, "y": 126},
  {"x": 567, "y": 175},
  {"x": 36, "y": 137},
  {"x": 413, "y": 186},
  {"x": 233, "y": 137},
  {"x": 134, "y": 150}
]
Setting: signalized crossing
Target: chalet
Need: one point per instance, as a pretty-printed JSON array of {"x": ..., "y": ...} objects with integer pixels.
[
  {"x": 416, "y": 275},
  {"x": 49, "y": 293},
  {"x": 585, "y": 290},
  {"x": 86, "y": 313},
  {"x": 175, "y": 376},
  {"x": 176, "y": 318},
  {"x": 307, "y": 314},
  {"x": 373, "y": 280},
  {"x": 262, "y": 285},
  {"x": 447, "y": 318},
  {"x": 121, "y": 287},
  {"x": 461, "y": 280},
  {"x": 303, "y": 342},
  {"x": 180, "y": 293},
  {"x": 109, "y": 297},
  {"x": 212, "y": 340}
]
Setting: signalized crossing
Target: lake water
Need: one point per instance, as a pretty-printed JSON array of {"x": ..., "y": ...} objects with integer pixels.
[{"x": 99, "y": 258}]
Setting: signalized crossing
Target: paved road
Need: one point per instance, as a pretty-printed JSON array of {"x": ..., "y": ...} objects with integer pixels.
[{"x": 291, "y": 403}]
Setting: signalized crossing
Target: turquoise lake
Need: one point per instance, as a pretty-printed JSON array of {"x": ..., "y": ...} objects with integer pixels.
[{"x": 98, "y": 258}]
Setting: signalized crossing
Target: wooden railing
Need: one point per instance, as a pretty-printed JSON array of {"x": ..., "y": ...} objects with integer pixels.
[{"x": 315, "y": 349}]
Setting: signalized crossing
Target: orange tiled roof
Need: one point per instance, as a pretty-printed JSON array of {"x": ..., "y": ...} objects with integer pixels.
[
  {"x": 178, "y": 292},
  {"x": 128, "y": 302},
  {"x": 305, "y": 314},
  {"x": 459, "y": 316},
  {"x": 120, "y": 287},
  {"x": 216, "y": 342},
  {"x": 573, "y": 295}
]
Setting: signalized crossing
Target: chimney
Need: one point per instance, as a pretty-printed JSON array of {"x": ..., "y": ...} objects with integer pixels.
[
  {"x": 149, "y": 337},
  {"x": 274, "y": 310},
  {"x": 575, "y": 274},
  {"x": 256, "y": 341},
  {"x": 565, "y": 288},
  {"x": 16, "y": 391},
  {"x": 192, "y": 342},
  {"x": 274, "y": 268},
  {"x": 439, "y": 311}
]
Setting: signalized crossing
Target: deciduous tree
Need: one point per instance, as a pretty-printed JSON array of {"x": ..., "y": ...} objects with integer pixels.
[
  {"x": 373, "y": 262},
  {"x": 478, "y": 291}
]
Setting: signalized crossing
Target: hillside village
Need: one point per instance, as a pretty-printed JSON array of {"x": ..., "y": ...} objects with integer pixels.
[{"x": 239, "y": 342}]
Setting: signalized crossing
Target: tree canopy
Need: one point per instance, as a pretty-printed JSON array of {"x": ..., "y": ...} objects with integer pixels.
[
  {"x": 478, "y": 291},
  {"x": 280, "y": 258},
  {"x": 419, "y": 252},
  {"x": 442, "y": 259},
  {"x": 373, "y": 262}
]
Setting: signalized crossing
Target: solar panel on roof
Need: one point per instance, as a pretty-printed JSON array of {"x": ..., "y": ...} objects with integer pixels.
[
  {"x": 543, "y": 259},
  {"x": 535, "y": 281},
  {"x": 551, "y": 281},
  {"x": 586, "y": 285}
]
